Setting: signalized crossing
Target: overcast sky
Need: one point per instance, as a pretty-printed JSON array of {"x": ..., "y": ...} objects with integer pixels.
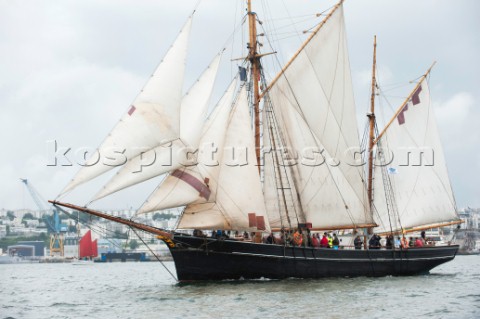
[{"x": 69, "y": 69}]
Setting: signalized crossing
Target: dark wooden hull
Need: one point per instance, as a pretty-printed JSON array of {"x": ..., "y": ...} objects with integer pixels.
[{"x": 210, "y": 259}]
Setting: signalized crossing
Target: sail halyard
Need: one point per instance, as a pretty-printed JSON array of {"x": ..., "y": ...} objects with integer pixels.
[
  {"x": 282, "y": 199},
  {"x": 153, "y": 119}
]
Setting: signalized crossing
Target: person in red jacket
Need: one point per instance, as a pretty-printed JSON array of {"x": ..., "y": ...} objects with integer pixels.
[
  {"x": 324, "y": 241},
  {"x": 315, "y": 240},
  {"x": 418, "y": 242}
]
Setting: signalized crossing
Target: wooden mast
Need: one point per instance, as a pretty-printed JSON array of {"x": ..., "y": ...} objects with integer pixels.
[
  {"x": 371, "y": 136},
  {"x": 254, "y": 59}
]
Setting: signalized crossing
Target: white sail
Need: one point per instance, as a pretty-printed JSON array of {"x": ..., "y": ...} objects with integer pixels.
[
  {"x": 153, "y": 119},
  {"x": 418, "y": 174},
  {"x": 238, "y": 193},
  {"x": 178, "y": 153},
  {"x": 327, "y": 198},
  {"x": 175, "y": 191},
  {"x": 316, "y": 91}
]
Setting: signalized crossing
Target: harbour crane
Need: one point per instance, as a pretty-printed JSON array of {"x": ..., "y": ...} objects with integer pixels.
[{"x": 55, "y": 228}]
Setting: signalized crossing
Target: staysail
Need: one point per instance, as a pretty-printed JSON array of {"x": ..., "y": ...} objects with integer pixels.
[
  {"x": 176, "y": 190},
  {"x": 170, "y": 156},
  {"x": 239, "y": 197},
  {"x": 227, "y": 195},
  {"x": 410, "y": 176},
  {"x": 152, "y": 120}
]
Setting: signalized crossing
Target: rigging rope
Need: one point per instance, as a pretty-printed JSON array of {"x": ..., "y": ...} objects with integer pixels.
[
  {"x": 90, "y": 226},
  {"x": 161, "y": 262}
]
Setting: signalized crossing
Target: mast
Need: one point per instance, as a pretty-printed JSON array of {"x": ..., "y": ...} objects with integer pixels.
[
  {"x": 254, "y": 59},
  {"x": 371, "y": 136}
]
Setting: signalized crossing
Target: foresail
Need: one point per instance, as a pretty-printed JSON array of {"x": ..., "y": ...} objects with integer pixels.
[
  {"x": 416, "y": 174},
  {"x": 179, "y": 152},
  {"x": 178, "y": 189},
  {"x": 153, "y": 119},
  {"x": 316, "y": 91},
  {"x": 239, "y": 198}
]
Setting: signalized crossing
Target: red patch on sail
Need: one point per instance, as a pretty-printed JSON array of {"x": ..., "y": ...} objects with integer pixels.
[
  {"x": 252, "y": 220},
  {"x": 401, "y": 115},
  {"x": 416, "y": 96},
  {"x": 191, "y": 180},
  {"x": 260, "y": 223},
  {"x": 132, "y": 109}
]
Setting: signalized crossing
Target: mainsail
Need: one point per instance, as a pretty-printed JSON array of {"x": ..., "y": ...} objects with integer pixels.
[
  {"x": 314, "y": 98},
  {"x": 412, "y": 188}
]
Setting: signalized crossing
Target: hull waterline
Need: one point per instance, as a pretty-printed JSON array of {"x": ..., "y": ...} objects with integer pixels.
[{"x": 210, "y": 259}]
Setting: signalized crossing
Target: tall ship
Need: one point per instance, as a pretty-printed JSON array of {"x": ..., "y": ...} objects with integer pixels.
[{"x": 279, "y": 154}]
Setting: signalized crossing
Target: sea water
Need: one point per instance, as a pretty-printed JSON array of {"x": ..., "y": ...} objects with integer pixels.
[{"x": 146, "y": 290}]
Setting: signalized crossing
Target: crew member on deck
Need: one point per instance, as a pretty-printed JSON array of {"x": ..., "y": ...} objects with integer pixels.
[
  {"x": 358, "y": 242},
  {"x": 389, "y": 244},
  {"x": 374, "y": 242},
  {"x": 298, "y": 238},
  {"x": 335, "y": 241},
  {"x": 418, "y": 242},
  {"x": 324, "y": 241}
]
